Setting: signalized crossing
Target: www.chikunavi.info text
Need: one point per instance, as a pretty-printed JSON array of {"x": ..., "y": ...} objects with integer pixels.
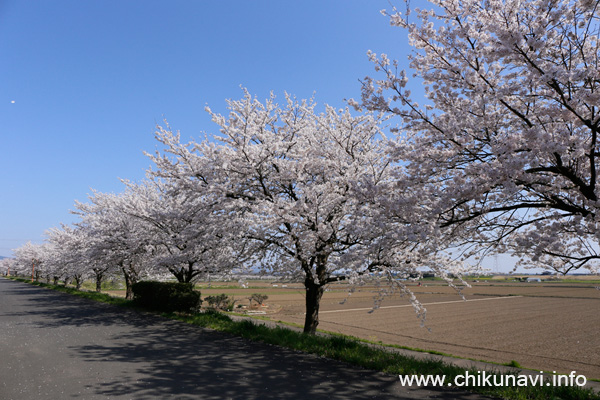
[{"x": 483, "y": 378}]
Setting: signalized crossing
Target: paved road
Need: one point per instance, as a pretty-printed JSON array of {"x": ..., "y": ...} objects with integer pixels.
[{"x": 57, "y": 346}]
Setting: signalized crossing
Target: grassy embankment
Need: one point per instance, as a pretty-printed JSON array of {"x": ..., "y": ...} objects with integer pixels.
[{"x": 347, "y": 349}]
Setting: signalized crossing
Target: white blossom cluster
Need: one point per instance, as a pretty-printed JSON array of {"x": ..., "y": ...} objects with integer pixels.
[{"x": 508, "y": 136}]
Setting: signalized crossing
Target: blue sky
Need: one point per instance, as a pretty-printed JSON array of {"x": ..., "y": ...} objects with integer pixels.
[{"x": 83, "y": 84}]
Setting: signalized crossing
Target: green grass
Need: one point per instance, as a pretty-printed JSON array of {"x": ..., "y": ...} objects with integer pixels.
[{"x": 350, "y": 350}]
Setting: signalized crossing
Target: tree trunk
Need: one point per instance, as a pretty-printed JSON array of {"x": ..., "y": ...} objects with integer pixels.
[
  {"x": 184, "y": 274},
  {"x": 314, "y": 293},
  {"x": 190, "y": 272},
  {"x": 99, "y": 282},
  {"x": 128, "y": 286},
  {"x": 130, "y": 279},
  {"x": 178, "y": 273}
]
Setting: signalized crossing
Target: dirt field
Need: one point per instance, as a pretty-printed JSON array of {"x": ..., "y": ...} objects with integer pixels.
[{"x": 548, "y": 326}]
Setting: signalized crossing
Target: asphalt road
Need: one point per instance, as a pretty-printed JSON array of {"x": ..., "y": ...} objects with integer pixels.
[{"x": 57, "y": 346}]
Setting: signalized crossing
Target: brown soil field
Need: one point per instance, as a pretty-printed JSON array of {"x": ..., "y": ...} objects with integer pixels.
[{"x": 546, "y": 326}]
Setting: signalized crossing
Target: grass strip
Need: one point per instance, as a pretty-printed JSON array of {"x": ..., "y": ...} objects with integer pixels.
[{"x": 348, "y": 349}]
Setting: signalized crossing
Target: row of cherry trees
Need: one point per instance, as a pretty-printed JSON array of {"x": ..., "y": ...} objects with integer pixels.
[
  {"x": 283, "y": 188},
  {"x": 501, "y": 158}
]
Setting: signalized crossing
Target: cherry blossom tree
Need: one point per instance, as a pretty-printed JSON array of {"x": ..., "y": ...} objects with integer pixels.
[
  {"x": 8, "y": 266},
  {"x": 508, "y": 132},
  {"x": 118, "y": 239},
  {"x": 300, "y": 189},
  {"x": 67, "y": 254},
  {"x": 81, "y": 253},
  {"x": 190, "y": 239},
  {"x": 30, "y": 260},
  {"x": 94, "y": 255}
]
